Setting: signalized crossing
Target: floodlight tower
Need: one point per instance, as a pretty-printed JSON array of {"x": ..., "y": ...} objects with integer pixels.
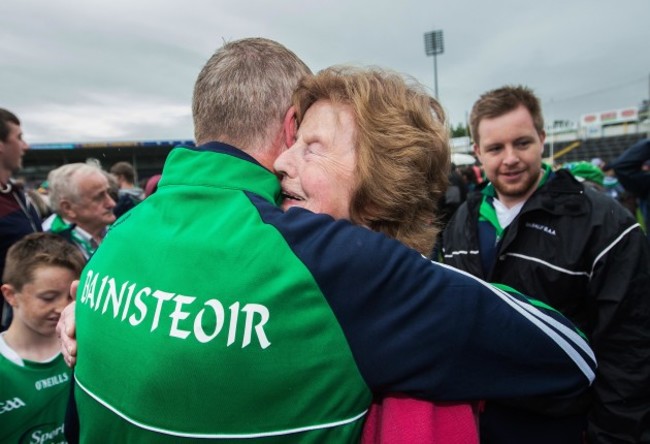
[{"x": 434, "y": 45}]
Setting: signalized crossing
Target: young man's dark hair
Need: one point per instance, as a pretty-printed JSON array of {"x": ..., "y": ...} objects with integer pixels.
[
  {"x": 6, "y": 116},
  {"x": 498, "y": 102},
  {"x": 124, "y": 169}
]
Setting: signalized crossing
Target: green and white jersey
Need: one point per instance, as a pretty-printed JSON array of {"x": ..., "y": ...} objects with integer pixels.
[{"x": 33, "y": 398}]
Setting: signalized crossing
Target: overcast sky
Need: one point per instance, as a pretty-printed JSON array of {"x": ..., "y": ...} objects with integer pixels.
[{"x": 88, "y": 70}]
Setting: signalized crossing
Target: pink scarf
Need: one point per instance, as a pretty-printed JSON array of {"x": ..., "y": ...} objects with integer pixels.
[{"x": 399, "y": 420}]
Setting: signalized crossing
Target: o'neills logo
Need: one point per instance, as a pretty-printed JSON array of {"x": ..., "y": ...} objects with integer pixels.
[
  {"x": 181, "y": 316},
  {"x": 11, "y": 404},
  {"x": 52, "y": 381}
]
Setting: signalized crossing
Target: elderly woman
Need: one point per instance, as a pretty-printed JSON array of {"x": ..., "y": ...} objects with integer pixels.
[{"x": 372, "y": 149}]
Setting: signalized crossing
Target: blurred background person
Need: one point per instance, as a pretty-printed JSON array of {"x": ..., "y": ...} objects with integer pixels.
[
  {"x": 588, "y": 174},
  {"x": 633, "y": 171},
  {"x": 18, "y": 217},
  {"x": 82, "y": 205},
  {"x": 151, "y": 185},
  {"x": 455, "y": 195},
  {"x": 128, "y": 195}
]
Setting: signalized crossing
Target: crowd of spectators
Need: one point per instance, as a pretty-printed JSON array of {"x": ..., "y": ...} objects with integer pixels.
[{"x": 78, "y": 201}]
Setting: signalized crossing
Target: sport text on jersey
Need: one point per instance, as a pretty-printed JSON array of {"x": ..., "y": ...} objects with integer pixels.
[
  {"x": 45, "y": 434},
  {"x": 181, "y": 316}
]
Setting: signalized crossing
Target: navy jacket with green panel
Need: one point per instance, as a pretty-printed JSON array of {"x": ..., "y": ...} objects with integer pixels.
[{"x": 208, "y": 313}]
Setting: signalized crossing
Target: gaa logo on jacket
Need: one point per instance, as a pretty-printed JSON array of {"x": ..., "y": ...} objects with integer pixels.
[{"x": 11, "y": 404}]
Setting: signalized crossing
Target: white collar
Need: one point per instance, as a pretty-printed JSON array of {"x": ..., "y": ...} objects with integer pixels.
[
  {"x": 14, "y": 357},
  {"x": 9, "y": 352},
  {"x": 506, "y": 215},
  {"x": 82, "y": 233}
]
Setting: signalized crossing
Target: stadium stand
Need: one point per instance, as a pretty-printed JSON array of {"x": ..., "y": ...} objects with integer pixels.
[
  {"x": 603, "y": 135},
  {"x": 606, "y": 148},
  {"x": 147, "y": 157}
]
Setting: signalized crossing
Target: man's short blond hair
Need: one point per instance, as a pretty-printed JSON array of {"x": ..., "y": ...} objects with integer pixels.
[{"x": 243, "y": 92}]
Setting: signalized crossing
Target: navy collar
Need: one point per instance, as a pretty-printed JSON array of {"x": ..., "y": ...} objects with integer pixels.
[{"x": 224, "y": 148}]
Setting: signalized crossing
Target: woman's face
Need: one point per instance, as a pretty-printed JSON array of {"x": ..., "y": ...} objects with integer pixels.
[{"x": 318, "y": 171}]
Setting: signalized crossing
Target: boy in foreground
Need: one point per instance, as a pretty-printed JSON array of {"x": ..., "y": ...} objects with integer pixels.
[{"x": 34, "y": 379}]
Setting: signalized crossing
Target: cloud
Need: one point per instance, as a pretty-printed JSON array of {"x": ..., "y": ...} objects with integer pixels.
[
  {"x": 62, "y": 60},
  {"x": 108, "y": 117}
]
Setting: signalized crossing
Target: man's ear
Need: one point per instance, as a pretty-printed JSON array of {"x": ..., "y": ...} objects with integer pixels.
[
  {"x": 477, "y": 151},
  {"x": 66, "y": 210},
  {"x": 9, "y": 293},
  {"x": 290, "y": 126}
]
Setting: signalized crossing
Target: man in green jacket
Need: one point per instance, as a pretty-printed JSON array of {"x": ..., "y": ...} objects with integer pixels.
[{"x": 208, "y": 313}]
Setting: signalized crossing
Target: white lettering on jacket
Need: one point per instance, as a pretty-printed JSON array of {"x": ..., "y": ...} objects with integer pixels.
[
  {"x": 180, "y": 316},
  {"x": 52, "y": 381},
  {"x": 11, "y": 404},
  {"x": 41, "y": 437},
  {"x": 540, "y": 227}
]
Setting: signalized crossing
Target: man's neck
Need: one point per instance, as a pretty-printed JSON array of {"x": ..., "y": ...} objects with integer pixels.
[
  {"x": 96, "y": 234},
  {"x": 510, "y": 202},
  {"x": 5, "y": 175}
]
